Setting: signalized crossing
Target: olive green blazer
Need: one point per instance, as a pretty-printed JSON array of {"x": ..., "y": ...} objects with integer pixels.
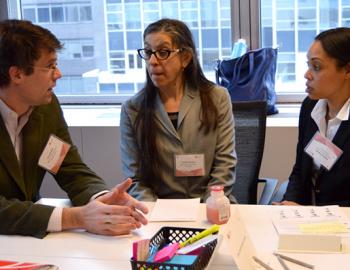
[{"x": 20, "y": 184}]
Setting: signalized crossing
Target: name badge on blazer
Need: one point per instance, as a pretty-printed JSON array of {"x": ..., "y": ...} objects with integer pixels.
[
  {"x": 53, "y": 155},
  {"x": 322, "y": 150},
  {"x": 189, "y": 165}
]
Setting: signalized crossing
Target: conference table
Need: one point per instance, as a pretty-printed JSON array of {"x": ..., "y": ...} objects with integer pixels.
[
  {"x": 82, "y": 250},
  {"x": 254, "y": 224},
  {"x": 79, "y": 249}
]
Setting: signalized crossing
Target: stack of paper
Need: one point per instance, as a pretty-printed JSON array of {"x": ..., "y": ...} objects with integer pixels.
[
  {"x": 175, "y": 210},
  {"x": 311, "y": 229}
]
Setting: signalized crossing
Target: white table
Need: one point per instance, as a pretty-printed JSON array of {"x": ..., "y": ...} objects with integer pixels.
[
  {"x": 81, "y": 250},
  {"x": 254, "y": 222}
]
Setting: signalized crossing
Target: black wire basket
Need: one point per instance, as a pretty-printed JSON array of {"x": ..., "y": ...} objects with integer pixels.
[{"x": 170, "y": 235}]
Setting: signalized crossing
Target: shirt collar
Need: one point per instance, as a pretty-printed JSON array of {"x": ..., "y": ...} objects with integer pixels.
[
  {"x": 343, "y": 114},
  {"x": 6, "y": 112},
  {"x": 10, "y": 115},
  {"x": 320, "y": 110}
]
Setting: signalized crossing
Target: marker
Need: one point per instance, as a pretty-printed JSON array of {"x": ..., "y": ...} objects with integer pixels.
[{"x": 213, "y": 229}]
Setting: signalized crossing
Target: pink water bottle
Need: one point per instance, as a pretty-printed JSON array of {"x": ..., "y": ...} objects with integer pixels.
[{"x": 218, "y": 206}]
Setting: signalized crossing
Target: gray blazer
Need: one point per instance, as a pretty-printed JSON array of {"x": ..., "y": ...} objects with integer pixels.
[{"x": 218, "y": 147}]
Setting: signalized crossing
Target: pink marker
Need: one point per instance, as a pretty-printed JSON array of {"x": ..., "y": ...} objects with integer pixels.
[{"x": 166, "y": 253}]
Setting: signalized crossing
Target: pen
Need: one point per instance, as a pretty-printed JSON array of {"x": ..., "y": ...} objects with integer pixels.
[
  {"x": 310, "y": 266},
  {"x": 285, "y": 267},
  {"x": 210, "y": 230},
  {"x": 266, "y": 266}
]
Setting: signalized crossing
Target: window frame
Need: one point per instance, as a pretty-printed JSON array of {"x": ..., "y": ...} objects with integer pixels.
[{"x": 250, "y": 31}]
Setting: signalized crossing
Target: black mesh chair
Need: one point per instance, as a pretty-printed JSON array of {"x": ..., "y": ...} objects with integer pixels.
[{"x": 250, "y": 126}]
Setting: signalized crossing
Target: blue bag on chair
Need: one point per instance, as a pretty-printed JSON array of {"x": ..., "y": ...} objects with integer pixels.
[{"x": 250, "y": 77}]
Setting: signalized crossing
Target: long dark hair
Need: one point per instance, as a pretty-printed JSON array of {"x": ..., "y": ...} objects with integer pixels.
[
  {"x": 336, "y": 43},
  {"x": 194, "y": 78}
]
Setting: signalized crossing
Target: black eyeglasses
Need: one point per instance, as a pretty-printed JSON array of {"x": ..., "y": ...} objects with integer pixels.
[{"x": 163, "y": 54}]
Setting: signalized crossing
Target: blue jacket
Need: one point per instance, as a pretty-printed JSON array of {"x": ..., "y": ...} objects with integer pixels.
[{"x": 332, "y": 187}]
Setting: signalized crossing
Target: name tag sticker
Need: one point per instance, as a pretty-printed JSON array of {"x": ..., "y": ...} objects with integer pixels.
[
  {"x": 189, "y": 165},
  {"x": 53, "y": 155},
  {"x": 322, "y": 150}
]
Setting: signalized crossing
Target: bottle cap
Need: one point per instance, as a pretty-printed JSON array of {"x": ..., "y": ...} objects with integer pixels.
[{"x": 216, "y": 188}]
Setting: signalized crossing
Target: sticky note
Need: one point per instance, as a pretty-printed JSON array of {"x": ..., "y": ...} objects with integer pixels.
[
  {"x": 140, "y": 250},
  {"x": 183, "y": 259},
  {"x": 324, "y": 227}
]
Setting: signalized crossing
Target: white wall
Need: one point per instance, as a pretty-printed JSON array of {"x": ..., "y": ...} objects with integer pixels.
[
  {"x": 99, "y": 148},
  {"x": 279, "y": 152}
]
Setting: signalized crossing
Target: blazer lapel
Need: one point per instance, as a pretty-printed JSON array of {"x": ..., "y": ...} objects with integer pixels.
[
  {"x": 32, "y": 148},
  {"x": 342, "y": 134},
  {"x": 310, "y": 130},
  {"x": 164, "y": 119},
  {"x": 186, "y": 104},
  {"x": 9, "y": 158}
]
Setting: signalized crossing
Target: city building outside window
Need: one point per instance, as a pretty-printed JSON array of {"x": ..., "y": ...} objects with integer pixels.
[
  {"x": 101, "y": 39},
  {"x": 291, "y": 25},
  {"x": 100, "y": 61}
]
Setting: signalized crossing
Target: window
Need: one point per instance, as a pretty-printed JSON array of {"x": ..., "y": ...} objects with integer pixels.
[
  {"x": 100, "y": 40},
  {"x": 57, "y": 14},
  {"x": 209, "y": 18},
  {"x": 87, "y": 51},
  {"x": 292, "y": 25},
  {"x": 64, "y": 12},
  {"x": 29, "y": 14},
  {"x": 77, "y": 49},
  {"x": 107, "y": 88},
  {"x": 101, "y": 37},
  {"x": 69, "y": 83},
  {"x": 85, "y": 13},
  {"x": 43, "y": 15},
  {"x": 72, "y": 14}
]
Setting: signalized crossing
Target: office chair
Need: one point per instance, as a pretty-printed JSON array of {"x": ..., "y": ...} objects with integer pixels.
[
  {"x": 278, "y": 196},
  {"x": 250, "y": 126}
]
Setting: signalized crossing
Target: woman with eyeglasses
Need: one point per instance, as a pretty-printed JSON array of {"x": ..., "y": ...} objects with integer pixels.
[{"x": 177, "y": 133}]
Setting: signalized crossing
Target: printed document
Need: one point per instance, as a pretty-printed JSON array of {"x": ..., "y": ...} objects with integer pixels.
[{"x": 311, "y": 219}]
